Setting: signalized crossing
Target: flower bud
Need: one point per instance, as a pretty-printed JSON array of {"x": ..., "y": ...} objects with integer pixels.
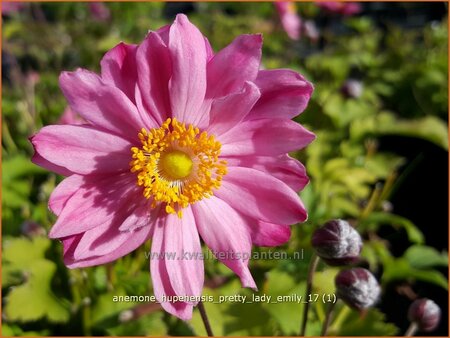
[
  {"x": 337, "y": 243},
  {"x": 425, "y": 313},
  {"x": 357, "y": 287},
  {"x": 32, "y": 229},
  {"x": 352, "y": 88},
  {"x": 126, "y": 316},
  {"x": 311, "y": 31}
]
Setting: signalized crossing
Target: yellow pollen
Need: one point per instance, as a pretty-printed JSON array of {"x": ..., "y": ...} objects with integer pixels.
[{"x": 177, "y": 165}]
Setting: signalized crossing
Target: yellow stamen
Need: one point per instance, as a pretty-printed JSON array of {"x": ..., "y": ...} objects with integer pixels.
[{"x": 177, "y": 165}]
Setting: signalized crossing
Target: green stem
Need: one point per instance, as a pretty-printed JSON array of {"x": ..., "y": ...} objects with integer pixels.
[
  {"x": 340, "y": 318},
  {"x": 327, "y": 321},
  {"x": 412, "y": 329},
  {"x": 202, "y": 310},
  {"x": 312, "y": 268}
]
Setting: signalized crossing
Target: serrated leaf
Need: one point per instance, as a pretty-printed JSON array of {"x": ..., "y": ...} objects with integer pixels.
[
  {"x": 21, "y": 252},
  {"x": 148, "y": 325},
  {"x": 371, "y": 323},
  {"x": 34, "y": 299},
  {"x": 215, "y": 313},
  {"x": 286, "y": 310},
  {"x": 106, "y": 311}
]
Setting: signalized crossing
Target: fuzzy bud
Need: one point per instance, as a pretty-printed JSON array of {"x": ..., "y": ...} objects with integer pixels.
[
  {"x": 32, "y": 229},
  {"x": 352, "y": 88},
  {"x": 337, "y": 243},
  {"x": 311, "y": 31},
  {"x": 126, "y": 316},
  {"x": 425, "y": 313},
  {"x": 358, "y": 288}
]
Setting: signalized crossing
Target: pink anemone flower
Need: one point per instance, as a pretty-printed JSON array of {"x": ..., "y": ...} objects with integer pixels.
[
  {"x": 290, "y": 21},
  {"x": 340, "y": 7},
  {"x": 9, "y": 8},
  {"x": 181, "y": 144},
  {"x": 99, "y": 11}
]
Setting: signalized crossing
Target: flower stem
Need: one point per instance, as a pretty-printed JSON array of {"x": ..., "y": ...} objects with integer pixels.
[
  {"x": 412, "y": 329},
  {"x": 327, "y": 321},
  {"x": 312, "y": 268},
  {"x": 202, "y": 310}
]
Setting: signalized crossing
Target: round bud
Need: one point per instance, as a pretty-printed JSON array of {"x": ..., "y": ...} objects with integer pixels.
[
  {"x": 311, "y": 31},
  {"x": 32, "y": 229},
  {"x": 337, "y": 243},
  {"x": 126, "y": 316},
  {"x": 352, "y": 88},
  {"x": 358, "y": 288},
  {"x": 425, "y": 313}
]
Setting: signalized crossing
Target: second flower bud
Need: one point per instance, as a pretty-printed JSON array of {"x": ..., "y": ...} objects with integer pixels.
[{"x": 337, "y": 243}]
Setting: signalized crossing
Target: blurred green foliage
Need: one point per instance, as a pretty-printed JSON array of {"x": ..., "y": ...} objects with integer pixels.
[{"x": 405, "y": 86}]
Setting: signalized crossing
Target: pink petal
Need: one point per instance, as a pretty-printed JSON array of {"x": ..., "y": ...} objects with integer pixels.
[
  {"x": 284, "y": 167},
  {"x": 290, "y": 21},
  {"x": 228, "y": 111},
  {"x": 265, "y": 137},
  {"x": 97, "y": 201},
  {"x": 162, "y": 286},
  {"x": 142, "y": 215},
  {"x": 269, "y": 234},
  {"x": 70, "y": 117},
  {"x": 70, "y": 243},
  {"x": 231, "y": 67},
  {"x": 42, "y": 162},
  {"x": 103, "y": 105},
  {"x": 106, "y": 238},
  {"x": 180, "y": 237},
  {"x": 63, "y": 192},
  {"x": 155, "y": 69},
  {"x": 261, "y": 196},
  {"x": 284, "y": 94},
  {"x": 119, "y": 68},
  {"x": 209, "y": 50},
  {"x": 135, "y": 239},
  {"x": 163, "y": 32},
  {"x": 226, "y": 233},
  {"x": 187, "y": 86},
  {"x": 83, "y": 149}
]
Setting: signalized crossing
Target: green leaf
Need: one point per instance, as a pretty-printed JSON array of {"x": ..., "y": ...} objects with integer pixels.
[
  {"x": 422, "y": 257},
  {"x": 23, "y": 252},
  {"x": 429, "y": 128},
  {"x": 371, "y": 323},
  {"x": 215, "y": 315},
  {"x": 34, "y": 299},
  {"x": 400, "y": 269},
  {"x": 7, "y": 331},
  {"x": 18, "y": 166},
  {"x": 148, "y": 325},
  {"x": 285, "y": 310},
  {"x": 248, "y": 320},
  {"x": 323, "y": 282},
  {"x": 382, "y": 164},
  {"x": 376, "y": 219},
  {"x": 105, "y": 311}
]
